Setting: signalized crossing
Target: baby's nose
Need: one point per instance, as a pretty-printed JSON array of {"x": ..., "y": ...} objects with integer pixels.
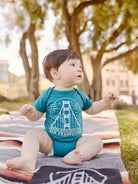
[{"x": 79, "y": 69}]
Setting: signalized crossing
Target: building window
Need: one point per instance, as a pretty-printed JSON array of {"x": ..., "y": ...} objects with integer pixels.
[
  {"x": 124, "y": 92},
  {"x": 3, "y": 78},
  {"x": 126, "y": 82},
  {"x": 3, "y": 68},
  {"x": 3, "y": 73},
  {"x": 112, "y": 70},
  {"x": 107, "y": 82},
  {"x": 121, "y": 83},
  {"x": 113, "y": 82}
]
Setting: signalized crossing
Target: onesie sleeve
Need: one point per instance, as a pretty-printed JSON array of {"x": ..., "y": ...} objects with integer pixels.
[
  {"x": 40, "y": 104},
  {"x": 87, "y": 103}
]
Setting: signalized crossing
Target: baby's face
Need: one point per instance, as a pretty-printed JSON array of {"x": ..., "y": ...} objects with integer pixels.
[{"x": 70, "y": 72}]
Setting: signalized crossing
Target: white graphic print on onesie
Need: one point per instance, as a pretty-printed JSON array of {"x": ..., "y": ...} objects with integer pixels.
[{"x": 66, "y": 117}]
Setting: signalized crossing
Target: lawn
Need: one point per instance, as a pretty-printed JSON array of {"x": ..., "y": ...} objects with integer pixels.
[
  {"x": 13, "y": 105},
  {"x": 128, "y": 127}
]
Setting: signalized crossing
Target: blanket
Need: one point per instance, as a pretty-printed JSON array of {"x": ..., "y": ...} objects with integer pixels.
[
  {"x": 75, "y": 175},
  {"x": 106, "y": 167}
]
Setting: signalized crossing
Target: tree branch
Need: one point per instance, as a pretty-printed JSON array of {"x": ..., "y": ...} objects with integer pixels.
[
  {"x": 115, "y": 48},
  {"x": 83, "y": 5},
  {"x": 116, "y": 33},
  {"x": 65, "y": 10},
  {"x": 83, "y": 29},
  {"x": 119, "y": 30},
  {"x": 119, "y": 56},
  {"x": 123, "y": 43}
]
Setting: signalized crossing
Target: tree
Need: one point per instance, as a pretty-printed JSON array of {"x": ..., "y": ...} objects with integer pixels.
[
  {"x": 73, "y": 26},
  {"x": 37, "y": 16},
  {"x": 131, "y": 61},
  {"x": 119, "y": 30},
  {"x": 105, "y": 27},
  {"x": 36, "y": 13}
]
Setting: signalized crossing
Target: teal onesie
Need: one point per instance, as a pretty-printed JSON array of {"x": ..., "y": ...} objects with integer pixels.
[{"x": 63, "y": 117}]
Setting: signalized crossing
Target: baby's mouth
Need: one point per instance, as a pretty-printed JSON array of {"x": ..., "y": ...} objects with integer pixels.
[{"x": 79, "y": 76}]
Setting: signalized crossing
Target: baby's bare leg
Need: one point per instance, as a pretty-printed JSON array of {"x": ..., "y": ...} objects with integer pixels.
[
  {"x": 89, "y": 146},
  {"x": 86, "y": 148},
  {"x": 34, "y": 141}
]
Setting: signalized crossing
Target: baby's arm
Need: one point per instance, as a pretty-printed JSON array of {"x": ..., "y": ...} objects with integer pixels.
[
  {"x": 30, "y": 112},
  {"x": 101, "y": 104}
]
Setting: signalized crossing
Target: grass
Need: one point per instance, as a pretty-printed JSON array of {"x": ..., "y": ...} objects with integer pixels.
[
  {"x": 128, "y": 127},
  {"x": 13, "y": 105}
]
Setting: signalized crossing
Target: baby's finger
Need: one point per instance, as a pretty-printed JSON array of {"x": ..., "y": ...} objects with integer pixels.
[{"x": 114, "y": 96}]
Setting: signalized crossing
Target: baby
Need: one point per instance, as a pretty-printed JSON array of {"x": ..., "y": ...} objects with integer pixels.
[{"x": 63, "y": 105}]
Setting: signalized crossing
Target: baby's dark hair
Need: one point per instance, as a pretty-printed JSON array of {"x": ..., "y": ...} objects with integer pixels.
[{"x": 55, "y": 58}]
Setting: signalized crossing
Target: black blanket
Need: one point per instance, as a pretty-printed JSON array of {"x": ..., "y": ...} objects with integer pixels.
[{"x": 60, "y": 175}]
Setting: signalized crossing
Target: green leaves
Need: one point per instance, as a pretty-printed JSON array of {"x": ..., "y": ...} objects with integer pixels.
[
  {"x": 131, "y": 62},
  {"x": 35, "y": 11}
]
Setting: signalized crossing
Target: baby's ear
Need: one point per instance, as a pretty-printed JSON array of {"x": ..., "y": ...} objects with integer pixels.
[{"x": 54, "y": 73}]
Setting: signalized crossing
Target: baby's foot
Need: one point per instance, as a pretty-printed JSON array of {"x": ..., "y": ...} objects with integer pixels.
[
  {"x": 20, "y": 163},
  {"x": 74, "y": 157}
]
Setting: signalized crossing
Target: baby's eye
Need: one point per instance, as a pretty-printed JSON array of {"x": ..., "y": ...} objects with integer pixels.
[{"x": 72, "y": 64}]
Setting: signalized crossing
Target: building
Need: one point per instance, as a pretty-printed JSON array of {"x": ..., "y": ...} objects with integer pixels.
[
  {"x": 4, "y": 71},
  {"x": 115, "y": 76}
]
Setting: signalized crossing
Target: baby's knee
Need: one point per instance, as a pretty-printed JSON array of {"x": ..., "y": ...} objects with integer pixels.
[{"x": 99, "y": 143}]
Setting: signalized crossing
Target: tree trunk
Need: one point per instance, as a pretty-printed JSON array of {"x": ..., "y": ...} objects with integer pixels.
[
  {"x": 34, "y": 83},
  {"x": 25, "y": 61},
  {"x": 73, "y": 39},
  {"x": 31, "y": 72},
  {"x": 97, "y": 80},
  {"x": 75, "y": 46}
]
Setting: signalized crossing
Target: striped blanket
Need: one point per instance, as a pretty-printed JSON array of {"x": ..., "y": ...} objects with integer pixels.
[{"x": 106, "y": 167}]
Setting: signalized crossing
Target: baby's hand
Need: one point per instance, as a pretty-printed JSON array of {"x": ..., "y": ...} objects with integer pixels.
[
  {"x": 26, "y": 110},
  {"x": 110, "y": 97}
]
